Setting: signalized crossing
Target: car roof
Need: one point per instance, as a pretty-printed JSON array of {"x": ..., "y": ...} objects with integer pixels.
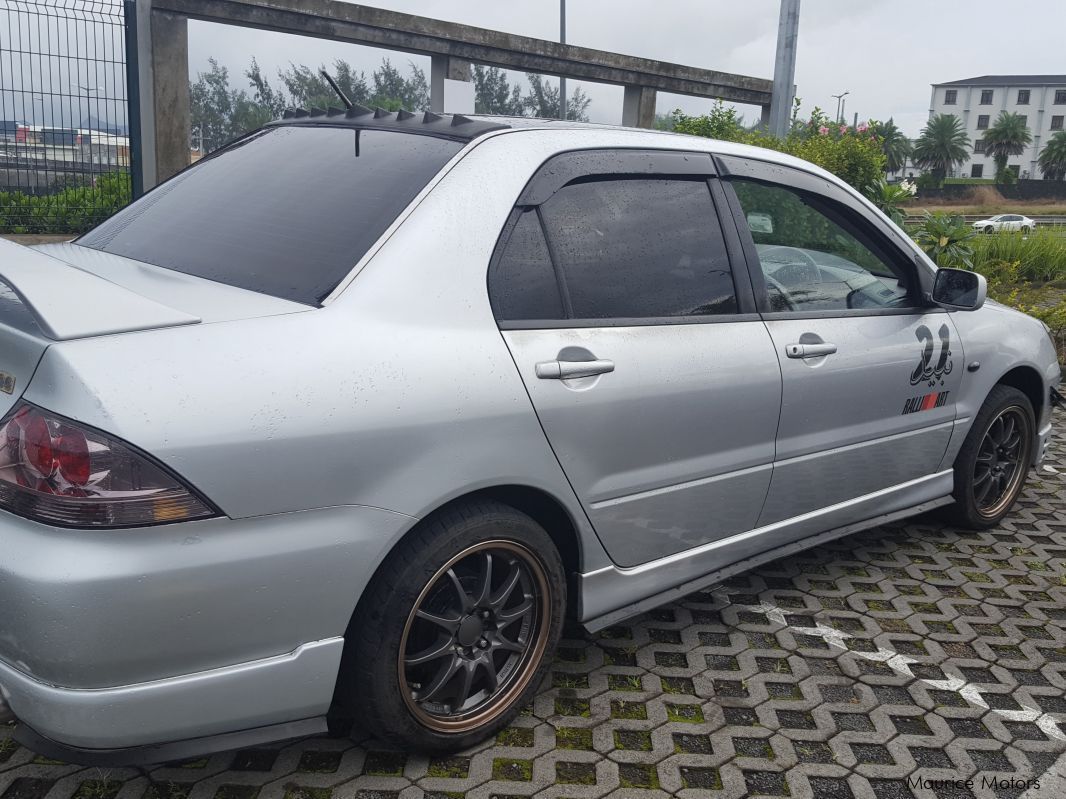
[{"x": 468, "y": 128}]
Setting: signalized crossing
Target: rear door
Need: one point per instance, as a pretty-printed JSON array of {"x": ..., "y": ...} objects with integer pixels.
[
  {"x": 870, "y": 372},
  {"x": 653, "y": 377}
]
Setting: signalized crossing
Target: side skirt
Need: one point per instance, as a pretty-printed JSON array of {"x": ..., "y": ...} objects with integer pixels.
[
  {"x": 612, "y": 578},
  {"x": 167, "y": 752}
]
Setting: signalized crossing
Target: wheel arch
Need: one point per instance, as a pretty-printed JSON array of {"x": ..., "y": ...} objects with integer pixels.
[
  {"x": 1028, "y": 381},
  {"x": 544, "y": 508}
]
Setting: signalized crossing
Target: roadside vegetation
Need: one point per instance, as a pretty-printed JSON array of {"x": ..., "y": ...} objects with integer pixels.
[
  {"x": 1027, "y": 272},
  {"x": 70, "y": 210}
]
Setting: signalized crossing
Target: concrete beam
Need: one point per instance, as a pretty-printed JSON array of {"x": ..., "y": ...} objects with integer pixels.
[
  {"x": 170, "y": 93},
  {"x": 341, "y": 21},
  {"x": 443, "y": 68},
  {"x": 638, "y": 107}
]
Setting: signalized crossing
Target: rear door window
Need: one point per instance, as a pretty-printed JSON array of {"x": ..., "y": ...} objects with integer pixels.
[
  {"x": 287, "y": 212},
  {"x": 639, "y": 248}
]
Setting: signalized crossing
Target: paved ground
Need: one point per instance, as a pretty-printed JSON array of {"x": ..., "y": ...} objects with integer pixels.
[{"x": 910, "y": 652}]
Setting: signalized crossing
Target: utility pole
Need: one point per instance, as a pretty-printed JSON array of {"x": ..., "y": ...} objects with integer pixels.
[
  {"x": 784, "y": 68},
  {"x": 562, "y": 40},
  {"x": 840, "y": 106}
]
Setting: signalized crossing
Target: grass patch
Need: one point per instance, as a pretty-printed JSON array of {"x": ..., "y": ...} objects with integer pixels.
[
  {"x": 573, "y": 738},
  {"x": 512, "y": 770}
]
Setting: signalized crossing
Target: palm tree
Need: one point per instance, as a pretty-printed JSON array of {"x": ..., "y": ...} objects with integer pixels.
[
  {"x": 942, "y": 144},
  {"x": 1053, "y": 157},
  {"x": 894, "y": 145},
  {"x": 1008, "y": 136}
]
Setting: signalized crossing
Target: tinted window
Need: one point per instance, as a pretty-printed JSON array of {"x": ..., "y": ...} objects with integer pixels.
[
  {"x": 640, "y": 248},
  {"x": 287, "y": 212},
  {"x": 814, "y": 257},
  {"x": 523, "y": 286}
]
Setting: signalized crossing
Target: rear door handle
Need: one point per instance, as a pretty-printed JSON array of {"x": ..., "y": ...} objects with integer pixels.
[
  {"x": 809, "y": 350},
  {"x": 565, "y": 370}
]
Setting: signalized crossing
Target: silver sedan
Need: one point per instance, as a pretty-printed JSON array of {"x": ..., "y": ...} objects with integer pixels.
[{"x": 345, "y": 419}]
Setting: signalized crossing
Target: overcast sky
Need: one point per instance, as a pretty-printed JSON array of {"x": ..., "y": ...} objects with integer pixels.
[{"x": 885, "y": 52}]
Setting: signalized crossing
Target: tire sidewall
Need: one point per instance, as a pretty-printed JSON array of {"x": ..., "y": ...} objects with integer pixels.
[
  {"x": 999, "y": 399},
  {"x": 388, "y": 602}
]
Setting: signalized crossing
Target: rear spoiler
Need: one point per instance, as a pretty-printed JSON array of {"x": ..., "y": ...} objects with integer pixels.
[{"x": 70, "y": 303}]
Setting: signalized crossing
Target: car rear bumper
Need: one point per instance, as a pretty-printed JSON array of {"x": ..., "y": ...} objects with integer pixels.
[
  {"x": 134, "y": 637},
  {"x": 291, "y": 687}
]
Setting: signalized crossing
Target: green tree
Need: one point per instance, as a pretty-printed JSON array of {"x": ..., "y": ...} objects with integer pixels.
[
  {"x": 263, "y": 94},
  {"x": 494, "y": 94},
  {"x": 542, "y": 100},
  {"x": 943, "y": 143},
  {"x": 220, "y": 113},
  {"x": 722, "y": 123},
  {"x": 894, "y": 144},
  {"x": 1053, "y": 157},
  {"x": 308, "y": 88},
  {"x": 1007, "y": 137},
  {"x": 394, "y": 91}
]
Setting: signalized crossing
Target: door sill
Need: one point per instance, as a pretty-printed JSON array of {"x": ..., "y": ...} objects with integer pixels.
[{"x": 694, "y": 569}]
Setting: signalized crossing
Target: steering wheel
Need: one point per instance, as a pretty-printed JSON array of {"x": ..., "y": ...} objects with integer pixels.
[
  {"x": 806, "y": 271},
  {"x": 780, "y": 299}
]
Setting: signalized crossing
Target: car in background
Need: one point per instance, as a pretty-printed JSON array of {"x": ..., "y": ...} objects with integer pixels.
[
  {"x": 344, "y": 420},
  {"x": 1005, "y": 223}
]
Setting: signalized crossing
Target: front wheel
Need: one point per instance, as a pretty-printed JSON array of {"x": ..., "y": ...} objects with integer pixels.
[
  {"x": 989, "y": 229},
  {"x": 1025, "y": 230},
  {"x": 454, "y": 634},
  {"x": 993, "y": 463}
]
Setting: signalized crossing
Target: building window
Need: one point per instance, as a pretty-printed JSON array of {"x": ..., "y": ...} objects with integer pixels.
[
  {"x": 1056, "y": 122},
  {"x": 950, "y": 96},
  {"x": 1025, "y": 119},
  {"x": 986, "y": 97},
  {"x": 1060, "y": 96},
  {"x": 1023, "y": 97},
  {"x": 977, "y": 170},
  {"x": 978, "y": 145},
  {"x": 982, "y": 122}
]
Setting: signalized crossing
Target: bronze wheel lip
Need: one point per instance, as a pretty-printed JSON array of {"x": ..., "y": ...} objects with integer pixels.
[
  {"x": 1020, "y": 468},
  {"x": 519, "y": 679}
]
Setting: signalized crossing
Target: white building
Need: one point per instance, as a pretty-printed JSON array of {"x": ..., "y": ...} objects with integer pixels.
[{"x": 1041, "y": 99}]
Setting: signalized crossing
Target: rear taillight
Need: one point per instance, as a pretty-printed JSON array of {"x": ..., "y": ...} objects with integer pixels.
[{"x": 58, "y": 472}]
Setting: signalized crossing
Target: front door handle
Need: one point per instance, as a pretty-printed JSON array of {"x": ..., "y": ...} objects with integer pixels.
[
  {"x": 565, "y": 370},
  {"x": 810, "y": 350}
]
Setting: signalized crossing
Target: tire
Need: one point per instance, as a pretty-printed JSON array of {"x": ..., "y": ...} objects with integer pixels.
[
  {"x": 412, "y": 611},
  {"x": 990, "y": 229},
  {"x": 982, "y": 495},
  {"x": 1025, "y": 230}
]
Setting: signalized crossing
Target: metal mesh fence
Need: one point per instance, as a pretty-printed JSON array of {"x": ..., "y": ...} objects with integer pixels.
[{"x": 64, "y": 135}]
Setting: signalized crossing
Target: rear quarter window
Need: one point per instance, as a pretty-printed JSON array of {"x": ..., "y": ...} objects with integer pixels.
[{"x": 286, "y": 212}]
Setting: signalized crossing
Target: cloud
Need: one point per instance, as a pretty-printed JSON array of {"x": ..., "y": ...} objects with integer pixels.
[{"x": 885, "y": 54}]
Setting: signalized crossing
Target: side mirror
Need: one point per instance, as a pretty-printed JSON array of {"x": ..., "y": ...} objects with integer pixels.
[{"x": 959, "y": 290}]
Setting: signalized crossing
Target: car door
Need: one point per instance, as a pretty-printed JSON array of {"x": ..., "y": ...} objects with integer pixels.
[
  {"x": 652, "y": 375},
  {"x": 870, "y": 372}
]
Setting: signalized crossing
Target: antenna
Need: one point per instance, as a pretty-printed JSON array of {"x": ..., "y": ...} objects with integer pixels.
[{"x": 333, "y": 84}]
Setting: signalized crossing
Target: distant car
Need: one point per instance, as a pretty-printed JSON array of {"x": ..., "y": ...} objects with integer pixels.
[
  {"x": 1009, "y": 223},
  {"x": 343, "y": 420}
]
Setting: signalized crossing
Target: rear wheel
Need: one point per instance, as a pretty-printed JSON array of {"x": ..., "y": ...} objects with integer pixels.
[
  {"x": 455, "y": 632},
  {"x": 992, "y": 466}
]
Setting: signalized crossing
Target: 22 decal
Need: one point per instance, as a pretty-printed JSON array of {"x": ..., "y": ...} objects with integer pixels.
[
  {"x": 926, "y": 370},
  {"x": 929, "y": 372}
]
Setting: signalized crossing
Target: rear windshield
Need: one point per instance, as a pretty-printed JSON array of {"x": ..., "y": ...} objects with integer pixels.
[{"x": 287, "y": 212}]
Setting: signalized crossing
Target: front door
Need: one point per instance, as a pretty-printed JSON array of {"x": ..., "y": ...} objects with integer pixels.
[
  {"x": 870, "y": 376},
  {"x": 656, "y": 383}
]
